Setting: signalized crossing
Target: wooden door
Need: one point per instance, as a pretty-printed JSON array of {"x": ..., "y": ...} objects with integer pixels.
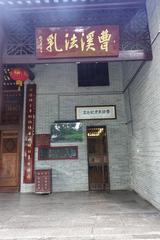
[
  {"x": 9, "y": 161},
  {"x": 98, "y": 159}
]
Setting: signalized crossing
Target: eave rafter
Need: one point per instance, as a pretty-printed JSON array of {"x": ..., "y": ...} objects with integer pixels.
[{"x": 32, "y": 5}]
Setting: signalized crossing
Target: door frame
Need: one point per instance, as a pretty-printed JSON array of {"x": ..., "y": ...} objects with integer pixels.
[
  {"x": 11, "y": 129},
  {"x": 105, "y": 127},
  {"x": 18, "y": 127}
]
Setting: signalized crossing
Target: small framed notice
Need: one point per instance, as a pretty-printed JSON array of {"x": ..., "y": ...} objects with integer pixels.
[
  {"x": 57, "y": 153},
  {"x": 95, "y": 112}
]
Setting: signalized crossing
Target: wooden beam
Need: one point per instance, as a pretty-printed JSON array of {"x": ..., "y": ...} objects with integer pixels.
[{"x": 133, "y": 55}]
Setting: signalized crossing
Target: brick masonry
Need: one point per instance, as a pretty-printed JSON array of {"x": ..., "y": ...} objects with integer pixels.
[
  {"x": 133, "y": 139},
  {"x": 143, "y": 108},
  {"x": 57, "y": 95}
]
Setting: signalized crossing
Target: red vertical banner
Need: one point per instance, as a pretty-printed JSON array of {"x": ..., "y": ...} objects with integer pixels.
[{"x": 29, "y": 133}]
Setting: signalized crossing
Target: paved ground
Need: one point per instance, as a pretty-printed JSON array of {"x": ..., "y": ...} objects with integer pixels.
[{"x": 78, "y": 216}]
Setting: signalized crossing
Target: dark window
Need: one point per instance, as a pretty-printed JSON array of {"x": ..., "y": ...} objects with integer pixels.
[{"x": 93, "y": 74}]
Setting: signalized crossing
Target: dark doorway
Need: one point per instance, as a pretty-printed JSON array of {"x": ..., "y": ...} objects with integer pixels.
[{"x": 98, "y": 169}]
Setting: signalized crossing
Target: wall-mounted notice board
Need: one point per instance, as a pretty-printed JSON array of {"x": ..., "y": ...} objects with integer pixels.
[{"x": 57, "y": 153}]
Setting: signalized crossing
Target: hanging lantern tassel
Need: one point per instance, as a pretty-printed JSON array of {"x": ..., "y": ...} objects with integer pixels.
[
  {"x": 19, "y": 83},
  {"x": 19, "y": 75}
]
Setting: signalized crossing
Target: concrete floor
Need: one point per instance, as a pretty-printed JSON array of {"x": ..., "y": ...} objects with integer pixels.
[{"x": 78, "y": 216}]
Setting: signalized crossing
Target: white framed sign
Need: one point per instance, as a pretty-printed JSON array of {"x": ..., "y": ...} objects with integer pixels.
[{"x": 95, "y": 112}]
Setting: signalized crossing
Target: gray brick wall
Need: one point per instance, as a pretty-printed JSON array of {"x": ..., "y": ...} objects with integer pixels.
[
  {"x": 133, "y": 140},
  {"x": 143, "y": 107},
  {"x": 153, "y": 8},
  {"x": 57, "y": 96},
  {"x": 129, "y": 70}
]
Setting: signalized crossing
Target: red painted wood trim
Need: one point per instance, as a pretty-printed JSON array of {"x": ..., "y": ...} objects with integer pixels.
[
  {"x": 29, "y": 134},
  {"x": 9, "y": 189},
  {"x": 42, "y": 140}
]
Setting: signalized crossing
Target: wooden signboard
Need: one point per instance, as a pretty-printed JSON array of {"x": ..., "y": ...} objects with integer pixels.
[
  {"x": 95, "y": 112},
  {"x": 80, "y": 41}
]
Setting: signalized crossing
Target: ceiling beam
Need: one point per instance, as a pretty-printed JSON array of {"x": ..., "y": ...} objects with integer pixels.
[{"x": 131, "y": 55}]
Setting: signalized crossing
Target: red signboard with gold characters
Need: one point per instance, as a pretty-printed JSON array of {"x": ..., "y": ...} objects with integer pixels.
[
  {"x": 73, "y": 42},
  {"x": 29, "y": 134}
]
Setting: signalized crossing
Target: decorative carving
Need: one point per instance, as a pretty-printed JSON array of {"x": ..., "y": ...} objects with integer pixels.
[
  {"x": 134, "y": 32},
  {"x": 20, "y": 35},
  {"x": 9, "y": 145},
  {"x": 43, "y": 181},
  {"x": 9, "y": 161},
  {"x": 8, "y": 84},
  {"x": 135, "y": 35},
  {"x": 11, "y": 106}
]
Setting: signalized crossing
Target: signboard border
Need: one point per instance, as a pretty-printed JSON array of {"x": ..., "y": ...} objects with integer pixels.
[{"x": 41, "y": 56}]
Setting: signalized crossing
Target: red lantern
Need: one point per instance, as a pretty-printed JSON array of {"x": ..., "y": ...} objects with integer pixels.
[{"x": 19, "y": 75}]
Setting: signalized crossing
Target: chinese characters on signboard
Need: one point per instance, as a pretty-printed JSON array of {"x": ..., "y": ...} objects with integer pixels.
[
  {"x": 66, "y": 42},
  {"x": 29, "y": 134},
  {"x": 95, "y": 112}
]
